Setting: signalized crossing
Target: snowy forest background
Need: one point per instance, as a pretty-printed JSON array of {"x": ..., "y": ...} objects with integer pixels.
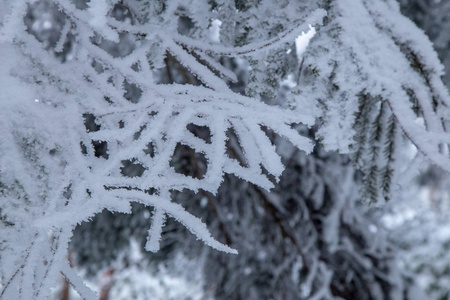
[{"x": 138, "y": 138}]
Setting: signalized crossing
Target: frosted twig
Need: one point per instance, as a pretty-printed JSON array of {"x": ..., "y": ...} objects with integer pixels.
[{"x": 286, "y": 37}]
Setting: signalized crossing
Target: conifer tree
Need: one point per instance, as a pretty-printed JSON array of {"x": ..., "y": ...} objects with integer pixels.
[{"x": 105, "y": 103}]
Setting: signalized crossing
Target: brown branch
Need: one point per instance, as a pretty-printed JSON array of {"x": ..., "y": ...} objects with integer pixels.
[
  {"x": 66, "y": 285},
  {"x": 107, "y": 281}
]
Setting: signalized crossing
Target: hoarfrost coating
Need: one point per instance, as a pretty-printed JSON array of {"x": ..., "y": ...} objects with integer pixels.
[{"x": 366, "y": 77}]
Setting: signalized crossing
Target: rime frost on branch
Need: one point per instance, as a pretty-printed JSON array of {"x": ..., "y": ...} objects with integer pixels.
[
  {"x": 372, "y": 73},
  {"x": 389, "y": 89},
  {"x": 51, "y": 171}
]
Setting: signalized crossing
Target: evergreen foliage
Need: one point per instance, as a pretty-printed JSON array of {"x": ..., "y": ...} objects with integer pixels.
[{"x": 106, "y": 103}]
